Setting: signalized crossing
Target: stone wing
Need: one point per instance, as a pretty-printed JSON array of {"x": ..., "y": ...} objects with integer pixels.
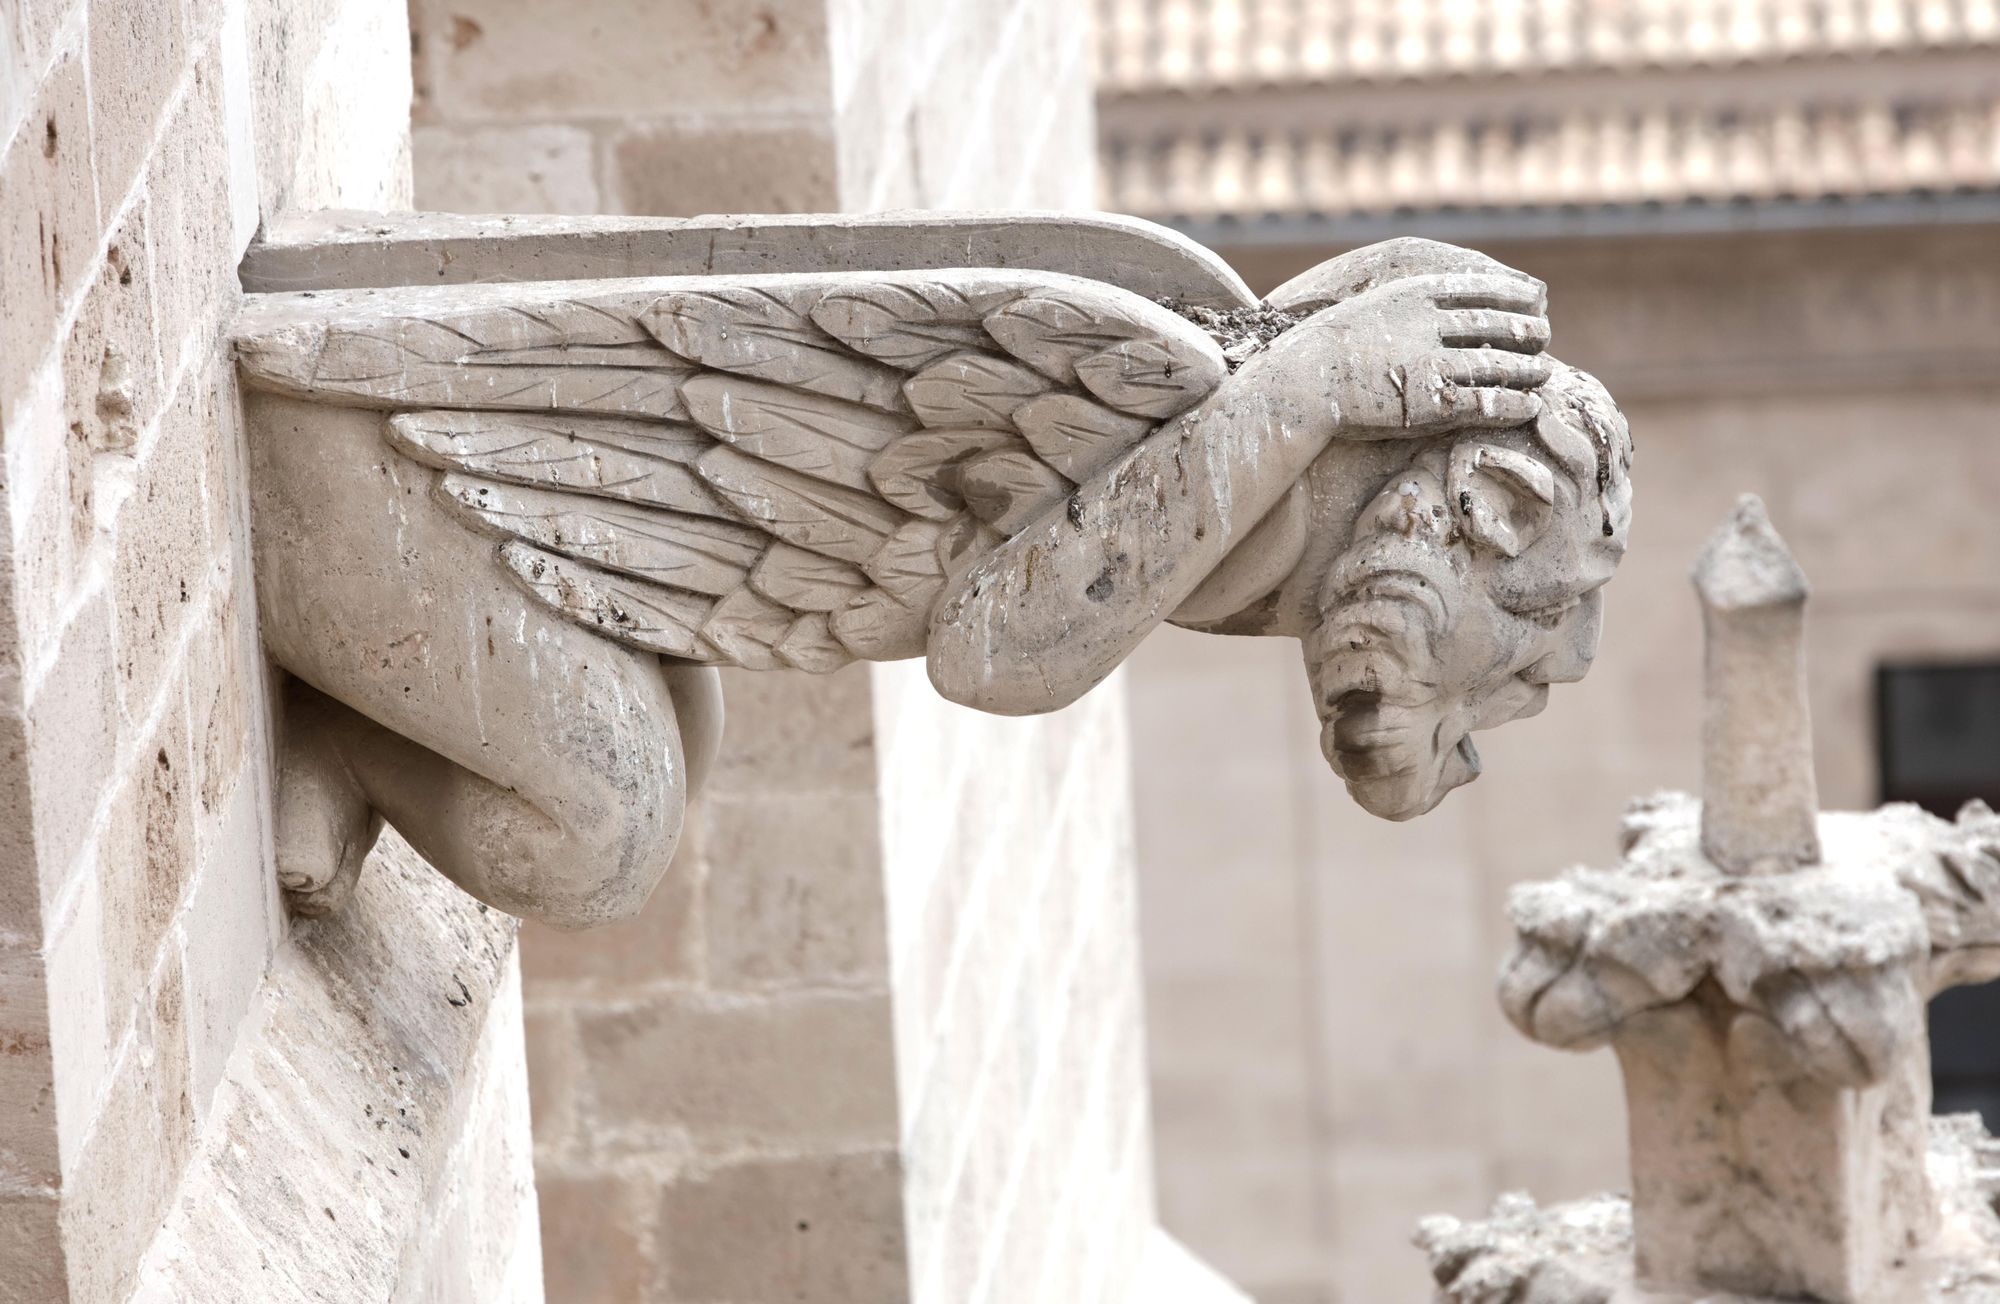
[{"x": 758, "y": 471}]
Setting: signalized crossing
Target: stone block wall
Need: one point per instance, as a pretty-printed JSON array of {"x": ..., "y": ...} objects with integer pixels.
[
  {"x": 141, "y": 144},
  {"x": 629, "y": 106},
  {"x": 1013, "y": 931},
  {"x": 883, "y": 1042}
]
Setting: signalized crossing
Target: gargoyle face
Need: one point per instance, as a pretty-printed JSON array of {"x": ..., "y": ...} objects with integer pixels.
[{"x": 1470, "y": 585}]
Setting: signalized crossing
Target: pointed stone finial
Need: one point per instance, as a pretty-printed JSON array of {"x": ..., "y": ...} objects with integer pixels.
[{"x": 1760, "y": 801}]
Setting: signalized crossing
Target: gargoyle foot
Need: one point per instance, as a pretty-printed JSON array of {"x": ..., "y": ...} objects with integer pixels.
[{"x": 325, "y": 824}]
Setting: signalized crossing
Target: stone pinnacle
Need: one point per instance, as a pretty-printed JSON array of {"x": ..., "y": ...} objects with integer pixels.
[{"x": 1760, "y": 801}]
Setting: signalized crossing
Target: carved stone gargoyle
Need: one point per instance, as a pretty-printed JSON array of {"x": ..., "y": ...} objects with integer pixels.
[{"x": 519, "y": 486}]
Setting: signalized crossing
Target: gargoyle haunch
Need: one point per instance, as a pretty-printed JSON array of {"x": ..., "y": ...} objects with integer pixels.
[{"x": 505, "y": 532}]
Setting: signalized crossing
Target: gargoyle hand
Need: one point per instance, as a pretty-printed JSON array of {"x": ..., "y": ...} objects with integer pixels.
[{"x": 1426, "y": 355}]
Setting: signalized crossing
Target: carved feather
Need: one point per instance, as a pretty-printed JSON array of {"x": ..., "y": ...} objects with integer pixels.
[
  {"x": 825, "y": 438},
  {"x": 919, "y": 473},
  {"x": 806, "y": 581},
  {"x": 1134, "y": 355},
  {"x": 972, "y": 389},
  {"x": 876, "y": 627},
  {"x": 907, "y": 326},
  {"x": 1076, "y": 435},
  {"x": 688, "y": 552},
  {"x": 652, "y": 617},
  {"x": 745, "y": 627},
  {"x": 826, "y": 518},
  {"x": 766, "y": 472},
  {"x": 1160, "y": 377},
  {"x": 1009, "y": 488},
  {"x": 563, "y": 355},
  {"x": 608, "y": 457},
  {"x": 908, "y": 565},
  {"x": 754, "y": 331},
  {"x": 1051, "y": 331},
  {"x": 809, "y": 645}
]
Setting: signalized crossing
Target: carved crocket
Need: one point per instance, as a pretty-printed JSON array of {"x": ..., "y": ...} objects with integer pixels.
[{"x": 505, "y": 532}]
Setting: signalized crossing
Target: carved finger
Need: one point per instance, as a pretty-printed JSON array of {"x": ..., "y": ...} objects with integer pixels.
[
  {"x": 1496, "y": 367},
  {"x": 1518, "y": 332},
  {"x": 1515, "y": 293},
  {"x": 1490, "y": 407}
]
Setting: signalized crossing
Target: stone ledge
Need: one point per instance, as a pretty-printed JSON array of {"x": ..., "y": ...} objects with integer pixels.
[{"x": 377, "y": 1049}]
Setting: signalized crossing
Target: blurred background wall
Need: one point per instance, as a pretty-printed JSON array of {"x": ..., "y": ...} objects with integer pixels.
[{"x": 1769, "y": 226}]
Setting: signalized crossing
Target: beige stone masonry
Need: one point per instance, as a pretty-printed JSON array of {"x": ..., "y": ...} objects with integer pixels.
[
  {"x": 140, "y": 147},
  {"x": 404, "y": 1175}
]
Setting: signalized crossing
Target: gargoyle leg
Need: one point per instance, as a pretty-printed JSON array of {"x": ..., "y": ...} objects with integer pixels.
[{"x": 537, "y": 765}]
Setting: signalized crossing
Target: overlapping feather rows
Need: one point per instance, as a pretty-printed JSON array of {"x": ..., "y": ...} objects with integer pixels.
[{"x": 777, "y": 472}]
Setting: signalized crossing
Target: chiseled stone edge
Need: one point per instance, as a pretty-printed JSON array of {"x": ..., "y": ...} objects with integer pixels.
[
  {"x": 344, "y": 1114},
  {"x": 333, "y": 249},
  {"x": 1580, "y": 1252}
]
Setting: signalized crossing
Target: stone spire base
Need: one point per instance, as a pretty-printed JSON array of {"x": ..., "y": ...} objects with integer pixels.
[{"x": 1761, "y": 970}]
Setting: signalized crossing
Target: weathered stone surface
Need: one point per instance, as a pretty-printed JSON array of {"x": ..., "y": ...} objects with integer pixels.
[
  {"x": 786, "y": 1229},
  {"x": 353, "y": 250},
  {"x": 510, "y": 169},
  {"x": 805, "y": 507},
  {"x": 1581, "y": 1252},
  {"x": 368, "y": 1099},
  {"x": 1761, "y": 970},
  {"x": 762, "y": 166},
  {"x": 715, "y": 1073},
  {"x": 1759, "y": 799}
]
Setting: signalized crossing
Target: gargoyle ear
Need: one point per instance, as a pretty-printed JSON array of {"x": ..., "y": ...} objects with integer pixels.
[{"x": 1504, "y": 499}]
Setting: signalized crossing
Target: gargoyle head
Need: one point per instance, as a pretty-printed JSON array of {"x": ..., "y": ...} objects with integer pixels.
[{"x": 1470, "y": 584}]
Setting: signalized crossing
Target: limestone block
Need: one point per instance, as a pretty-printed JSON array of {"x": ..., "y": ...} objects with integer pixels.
[
  {"x": 616, "y": 58},
  {"x": 229, "y": 930},
  {"x": 31, "y": 1253},
  {"x": 555, "y": 1078},
  {"x": 146, "y": 860},
  {"x": 796, "y": 733},
  {"x": 826, "y": 1228},
  {"x": 512, "y": 169},
  {"x": 794, "y": 892},
  {"x": 110, "y": 360},
  {"x": 769, "y": 165},
  {"x": 50, "y": 225},
  {"x": 162, "y": 552},
  {"x": 593, "y": 1231},
  {"x": 77, "y": 704},
  {"x": 187, "y": 187},
  {"x": 349, "y": 1102},
  {"x": 129, "y": 45},
  {"x": 117, "y": 1190},
  {"x": 681, "y": 1072},
  {"x": 224, "y": 686},
  {"x": 20, "y": 893},
  {"x": 29, "y": 1160},
  {"x": 79, "y": 1027},
  {"x": 311, "y": 65}
]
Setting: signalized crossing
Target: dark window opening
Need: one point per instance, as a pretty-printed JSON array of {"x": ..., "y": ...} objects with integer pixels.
[{"x": 1937, "y": 729}]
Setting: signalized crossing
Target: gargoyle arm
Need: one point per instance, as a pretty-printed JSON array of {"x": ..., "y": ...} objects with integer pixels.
[{"x": 1050, "y": 612}]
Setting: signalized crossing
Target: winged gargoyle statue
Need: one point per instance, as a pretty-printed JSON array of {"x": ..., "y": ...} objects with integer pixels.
[{"x": 506, "y": 531}]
